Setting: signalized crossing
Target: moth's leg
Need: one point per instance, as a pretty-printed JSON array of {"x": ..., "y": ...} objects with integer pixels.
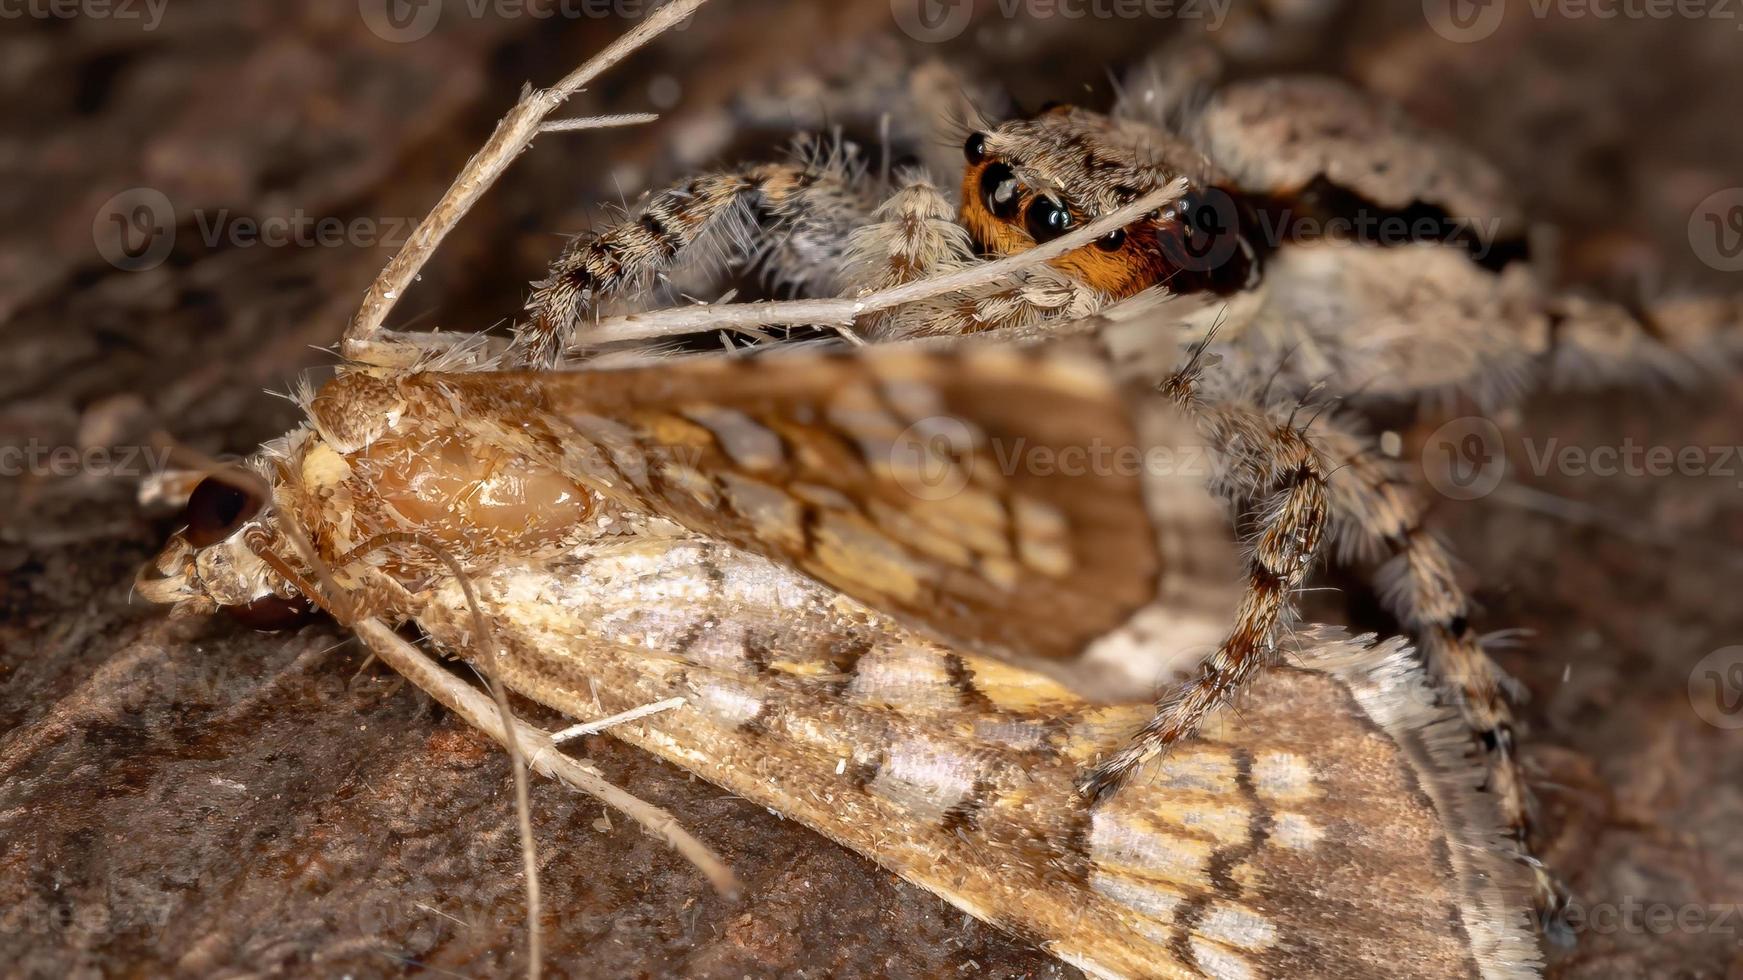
[
  {"x": 1277, "y": 460},
  {"x": 793, "y": 218}
]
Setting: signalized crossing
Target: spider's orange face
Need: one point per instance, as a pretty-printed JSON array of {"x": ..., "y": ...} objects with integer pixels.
[{"x": 1031, "y": 180}]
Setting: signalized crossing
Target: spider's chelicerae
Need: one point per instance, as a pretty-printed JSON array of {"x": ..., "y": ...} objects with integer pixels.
[{"x": 1340, "y": 252}]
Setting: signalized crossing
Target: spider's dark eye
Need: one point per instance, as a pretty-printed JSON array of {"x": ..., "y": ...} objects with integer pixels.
[
  {"x": 216, "y": 509},
  {"x": 975, "y": 148},
  {"x": 1046, "y": 219},
  {"x": 998, "y": 190},
  {"x": 271, "y": 613},
  {"x": 1112, "y": 241}
]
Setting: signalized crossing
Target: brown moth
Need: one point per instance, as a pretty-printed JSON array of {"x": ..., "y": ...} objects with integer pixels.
[{"x": 1251, "y": 850}]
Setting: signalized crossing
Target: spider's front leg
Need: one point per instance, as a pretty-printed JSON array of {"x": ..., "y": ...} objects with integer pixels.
[
  {"x": 1310, "y": 479},
  {"x": 794, "y": 218},
  {"x": 1278, "y": 462}
]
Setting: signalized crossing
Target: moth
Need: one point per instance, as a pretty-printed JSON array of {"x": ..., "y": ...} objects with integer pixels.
[{"x": 547, "y": 501}]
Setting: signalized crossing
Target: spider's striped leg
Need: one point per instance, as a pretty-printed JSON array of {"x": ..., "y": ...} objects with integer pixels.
[
  {"x": 1377, "y": 514},
  {"x": 1423, "y": 321},
  {"x": 1373, "y": 512},
  {"x": 794, "y": 218},
  {"x": 1272, "y": 457}
]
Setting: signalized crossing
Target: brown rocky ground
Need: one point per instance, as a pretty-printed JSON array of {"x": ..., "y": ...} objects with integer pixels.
[{"x": 195, "y": 799}]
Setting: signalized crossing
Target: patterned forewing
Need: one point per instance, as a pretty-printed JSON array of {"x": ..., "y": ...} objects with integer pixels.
[
  {"x": 1000, "y": 500},
  {"x": 1322, "y": 832}
]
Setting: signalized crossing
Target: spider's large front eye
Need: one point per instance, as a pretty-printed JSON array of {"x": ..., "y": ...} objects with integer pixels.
[
  {"x": 216, "y": 509},
  {"x": 1046, "y": 219},
  {"x": 975, "y": 148},
  {"x": 998, "y": 190}
]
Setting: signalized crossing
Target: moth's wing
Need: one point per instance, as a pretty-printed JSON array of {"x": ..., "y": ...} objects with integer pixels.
[
  {"x": 1014, "y": 502},
  {"x": 1277, "y": 137},
  {"x": 1329, "y": 827}
]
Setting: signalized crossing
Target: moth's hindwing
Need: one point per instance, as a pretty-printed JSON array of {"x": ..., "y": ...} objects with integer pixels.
[
  {"x": 1330, "y": 827},
  {"x": 1004, "y": 501}
]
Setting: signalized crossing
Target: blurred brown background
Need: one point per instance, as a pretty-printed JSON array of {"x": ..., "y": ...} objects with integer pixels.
[{"x": 194, "y": 799}]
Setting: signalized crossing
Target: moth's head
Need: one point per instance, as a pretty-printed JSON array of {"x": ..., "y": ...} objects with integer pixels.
[
  {"x": 219, "y": 559},
  {"x": 383, "y": 493},
  {"x": 1029, "y": 181}
]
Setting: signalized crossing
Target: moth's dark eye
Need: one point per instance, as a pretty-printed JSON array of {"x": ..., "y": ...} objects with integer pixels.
[
  {"x": 216, "y": 509},
  {"x": 1112, "y": 241},
  {"x": 975, "y": 148},
  {"x": 270, "y": 613},
  {"x": 998, "y": 190},
  {"x": 1046, "y": 219}
]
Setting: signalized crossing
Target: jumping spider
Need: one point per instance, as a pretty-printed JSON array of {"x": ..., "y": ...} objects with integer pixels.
[{"x": 1428, "y": 291}]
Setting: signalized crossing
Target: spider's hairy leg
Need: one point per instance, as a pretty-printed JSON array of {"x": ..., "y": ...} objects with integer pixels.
[
  {"x": 1682, "y": 341},
  {"x": 1292, "y": 522},
  {"x": 1375, "y": 512},
  {"x": 793, "y": 217},
  {"x": 1425, "y": 322}
]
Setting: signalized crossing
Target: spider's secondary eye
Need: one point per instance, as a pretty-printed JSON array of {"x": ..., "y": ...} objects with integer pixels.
[
  {"x": 1046, "y": 219},
  {"x": 975, "y": 148},
  {"x": 998, "y": 190},
  {"x": 216, "y": 509},
  {"x": 1112, "y": 241}
]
